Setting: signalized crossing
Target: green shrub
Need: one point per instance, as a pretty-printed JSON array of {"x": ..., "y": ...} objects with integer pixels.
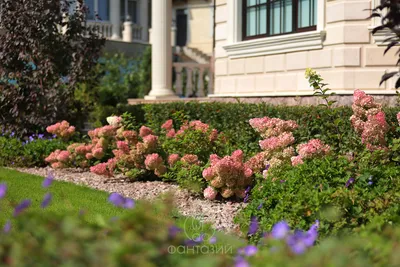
[
  {"x": 143, "y": 237},
  {"x": 370, "y": 248},
  {"x": 232, "y": 119},
  {"x": 29, "y": 153},
  {"x": 188, "y": 176},
  {"x": 35, "y": 152},
  {"x": 11, "y": 150},
  {"x": 324, "y": 189}
]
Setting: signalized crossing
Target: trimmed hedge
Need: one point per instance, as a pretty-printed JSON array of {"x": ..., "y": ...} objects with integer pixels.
[{"x": 232, "y": 119}]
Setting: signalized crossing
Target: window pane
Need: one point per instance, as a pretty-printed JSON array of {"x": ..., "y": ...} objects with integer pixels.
[
  {"x": 307, "y": 13},
  {"x": 90, "y": 5},
  {"x": 104, "y": 9},
  {"x": 262, "y": 14},
  {"x": 275, "y": 17},
  {"x": 251, "y": 22},
  {"x": 132, "y": 11},
  {"x": 288, "y": 13},
  {"x": 251, "y": 2}
]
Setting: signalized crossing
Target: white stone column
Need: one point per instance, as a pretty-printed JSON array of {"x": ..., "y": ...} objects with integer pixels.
[
  {"x": 144, "y": 19},
  {"x": 115, "y": 13},
  {"x": 161, "y": 59}
]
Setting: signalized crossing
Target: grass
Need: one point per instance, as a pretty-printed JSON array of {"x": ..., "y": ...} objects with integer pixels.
[
  {"x": 67, "y": 197},
  {"x": 73, "y": 199}
]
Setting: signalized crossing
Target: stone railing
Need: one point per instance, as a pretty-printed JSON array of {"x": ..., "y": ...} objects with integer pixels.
[
  {"x": 193, "y": 79},
  {"x": 137, "y": 32},
  {"x": 104, "y": 28},
  {"x": 131, "y": 32}
]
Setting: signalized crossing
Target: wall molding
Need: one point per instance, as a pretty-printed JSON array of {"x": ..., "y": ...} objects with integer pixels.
[{"x": 277, "y": 44}]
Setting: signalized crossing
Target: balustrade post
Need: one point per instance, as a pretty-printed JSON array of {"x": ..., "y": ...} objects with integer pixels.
[
  {"x": 200, "y": 83},
  {"x": 189, "y": 81},
  {"x": 178, "y": 81}
]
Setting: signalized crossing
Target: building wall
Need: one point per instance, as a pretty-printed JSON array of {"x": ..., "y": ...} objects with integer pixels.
[
  {"x": 349, "y": 58},
  {"x": 200, "y": 24}
]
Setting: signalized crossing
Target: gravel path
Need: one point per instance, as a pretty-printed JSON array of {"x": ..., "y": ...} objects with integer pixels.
[{"x": 220, "y": 214}]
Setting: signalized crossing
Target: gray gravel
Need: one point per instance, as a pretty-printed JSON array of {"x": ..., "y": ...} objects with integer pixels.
[{"x": 219, "y": 214}]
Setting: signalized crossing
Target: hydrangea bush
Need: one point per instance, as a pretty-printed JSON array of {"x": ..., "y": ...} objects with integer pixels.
[
  {"x": 194, "y": 137},
  {"x": 229, "y": 176},
  {"x": 369, "y": 121},
  {"x": 114, "y": 149}
]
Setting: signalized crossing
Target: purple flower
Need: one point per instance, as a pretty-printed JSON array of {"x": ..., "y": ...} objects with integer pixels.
[
  {"x": 31, "y": 139},
  {"x": 3, "y": 190},
  {"x": 23, "y": 205},
  {"x": 349, "y": 182},
  {"x": 173, "y": 231},
  {"x": 48, "y": 180},
  {"x": 12, "y": 134},
  {"x": 212, "y": 240},
  {"x": 246, "y": 198},
  {"x": 199, "y": 239},
  {"x": 247, "y": 190},
  {"x": 129, "y": 203},
  {"x": 40, "y": 136},
  {"x": 253, "y": 228},
  {"x": 46, "y": 200},
  {"x": 116, "y": 199},
  {"x": 120, "y": 201},
  {"x": 280, "y": 230},
  {"x": 54, "y": 136},
  {"x": 296, "y": 242},
  {"x": 190, "y": 243},
  {"x": 267, "y": 167},
  {"x": 250, "y": 250},
  {"x": 260, "y": 206},
  {"x": 370, "y": 183},
  {"x": 241, "y": 262},
  {"x": 7, "y": 227},
  {"x": 282, "y": 181}
]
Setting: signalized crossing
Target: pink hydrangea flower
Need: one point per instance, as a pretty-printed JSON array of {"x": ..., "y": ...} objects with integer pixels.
[
  {"x": 101, "y": 169},
  {"x": 63, "y": 156},
  {"x": 61, "y": 129},
  {"x": 153, "y": 161},
  {"x": 130, "y": 136},
  {"x": 145, "y": 131},
  {"x": 171, "y": 133},
  {"x": 190, "y": 159},
  {"x": 208, "y": 173},
  {"x": 172, "y": 159},
  {"x": 114, "y": 121},
  {"x": 168, "y": 125},
  {"x": 210, "y": 193},
  {"x": 297, "y": 160},
  {"x": 123, "y": 146},
  {"x": 398, "y": 118},
  {"x": 98, "y": 153},
  {"x": 314, "y": 147},
  {"x": 369, "y": 121}
]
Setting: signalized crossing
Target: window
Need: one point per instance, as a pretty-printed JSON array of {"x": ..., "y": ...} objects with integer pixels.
[
  {"x": 98, "y": 7},
  {"x": 129, "y": 10},
  {"x": 262, "y": 18}
]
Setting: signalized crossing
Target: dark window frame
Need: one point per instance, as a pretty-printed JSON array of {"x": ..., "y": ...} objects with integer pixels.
[{"x": 295, "y": 28}]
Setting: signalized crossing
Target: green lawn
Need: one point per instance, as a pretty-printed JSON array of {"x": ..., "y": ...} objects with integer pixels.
[
  {"x": 67, "y": 197},
  {"x": 72, "y": 199}
]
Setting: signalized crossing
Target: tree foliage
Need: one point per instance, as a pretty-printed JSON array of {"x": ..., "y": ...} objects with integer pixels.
[
  {"x": 389, "y": 12},
  {"x": 45, "y": 50}
]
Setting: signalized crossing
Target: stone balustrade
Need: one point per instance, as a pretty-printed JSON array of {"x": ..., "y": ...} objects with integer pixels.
[
  {"x": 104, "y": 28},
  {"x": 193, "y": 79}
]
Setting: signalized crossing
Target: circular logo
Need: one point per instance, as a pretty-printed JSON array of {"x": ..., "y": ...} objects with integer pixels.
[{"x": 197, "y": 230}]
